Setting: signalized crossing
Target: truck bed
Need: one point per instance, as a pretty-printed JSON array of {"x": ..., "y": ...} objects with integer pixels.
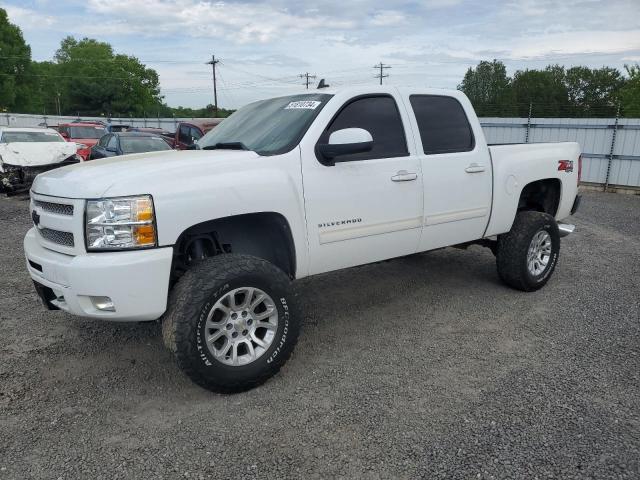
[{"x": 519, "y": 164}]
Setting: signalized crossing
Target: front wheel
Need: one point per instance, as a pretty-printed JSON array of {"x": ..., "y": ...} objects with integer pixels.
[
  {"x": 231, "y": 322},
  {"x": 528, "y": 254}
]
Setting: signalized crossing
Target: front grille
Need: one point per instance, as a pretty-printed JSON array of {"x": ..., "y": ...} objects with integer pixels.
[
  {"x": 56, "y": 236},
  {"x": 57, "y": 208}
]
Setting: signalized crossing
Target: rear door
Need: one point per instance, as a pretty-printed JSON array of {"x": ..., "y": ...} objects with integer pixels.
[
  {"x": 456, "y": 168},
  {"x": 368, "y": 206}
]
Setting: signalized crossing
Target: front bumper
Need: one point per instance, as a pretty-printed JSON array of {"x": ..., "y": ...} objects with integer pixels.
[
  {"x": 16, "y": 178},
  {"x": 137, "y": 282}
]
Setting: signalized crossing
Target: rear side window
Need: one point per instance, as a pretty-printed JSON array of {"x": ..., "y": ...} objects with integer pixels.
[
  {"x": 443, "y": 125},
  {"x": 381, "y": 118},
  {"x": 196, "y": 134},
  {"x": 184, "y": 134}
]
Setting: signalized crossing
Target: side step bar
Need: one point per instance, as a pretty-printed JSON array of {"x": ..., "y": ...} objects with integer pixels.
[{"x": 566, "y": 229}]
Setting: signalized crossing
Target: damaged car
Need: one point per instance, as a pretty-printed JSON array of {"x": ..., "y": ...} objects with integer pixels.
[{"x": 26, "y": 152}]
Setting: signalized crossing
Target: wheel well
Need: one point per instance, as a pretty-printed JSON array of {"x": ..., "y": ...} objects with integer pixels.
[
  {"x": 541, "y": 196},
  {"x": 264, "y": 235}
]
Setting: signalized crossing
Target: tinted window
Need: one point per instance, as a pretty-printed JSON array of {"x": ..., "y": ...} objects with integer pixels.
[
  {"x": 195, "y": 134},
  {"x": 103, "y": 141},
  {"x": 143, "y": 144},
  {"x": 113, "y": 142},
  {"x": 184, "y": 135},
  {"x": 381, "y": 118},
  {"x": 28, "y": 137},
  {"x": 86, "y": 132},
  {"x": 443, "y": 125}
]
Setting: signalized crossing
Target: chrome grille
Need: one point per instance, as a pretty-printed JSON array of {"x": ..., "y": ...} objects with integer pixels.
[
  {"x": 56, "y": 236},
  {"x": 57, "y": 208}
]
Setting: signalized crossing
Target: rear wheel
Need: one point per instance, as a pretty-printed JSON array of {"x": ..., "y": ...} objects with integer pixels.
[
  {"x": 231, "y": 322},
  {"x": 528, "y": 254}
]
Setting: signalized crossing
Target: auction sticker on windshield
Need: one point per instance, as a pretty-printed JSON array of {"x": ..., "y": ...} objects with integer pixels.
[{"x": 304, "y": 104}]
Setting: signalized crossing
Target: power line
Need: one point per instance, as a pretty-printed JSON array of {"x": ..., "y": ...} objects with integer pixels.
[
  {"x": 307, "y": 76},
  {"x": 382, "y": 67}
]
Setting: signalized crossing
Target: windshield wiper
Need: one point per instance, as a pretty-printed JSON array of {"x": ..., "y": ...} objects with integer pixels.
[{"x": 226, "y": 146}]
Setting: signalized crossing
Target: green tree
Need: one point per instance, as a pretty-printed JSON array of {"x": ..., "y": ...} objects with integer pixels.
[
  {"x": 15, "y": 62},
  {"x": 489, "y": 89},
  {"x": 93, "y": 80},
  {"x": 630, "y": 92},
  {"x": 593, "y": 92},
  {"x": 544, "y": 89}
]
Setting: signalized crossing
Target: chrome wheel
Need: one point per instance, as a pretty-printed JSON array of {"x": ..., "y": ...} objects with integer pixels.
[
  {"x": 539, "y": 253},
  {"x": 241, "y": 326}
]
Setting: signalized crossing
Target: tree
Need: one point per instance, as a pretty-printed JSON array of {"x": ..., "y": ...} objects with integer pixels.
[
  {"x": 593, "y": 92},
  {"x": 15, "y": 62},
  {"x": 630, "y": 92},
  {"x": 544, "y": 89},
  {"x": 93, "y": 80},
  {"x": 489, "y": 89}
]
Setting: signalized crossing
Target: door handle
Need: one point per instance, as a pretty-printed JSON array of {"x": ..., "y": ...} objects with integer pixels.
[
  {"x": 404, "y": 176},
  {"x": 474, "y": 168}
]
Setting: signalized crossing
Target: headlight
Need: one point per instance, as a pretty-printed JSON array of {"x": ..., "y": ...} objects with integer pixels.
[{"x": 120, "y": 223}]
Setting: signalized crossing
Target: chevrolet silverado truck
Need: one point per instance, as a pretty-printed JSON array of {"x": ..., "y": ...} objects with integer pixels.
[{"x": 210, "y": 240}]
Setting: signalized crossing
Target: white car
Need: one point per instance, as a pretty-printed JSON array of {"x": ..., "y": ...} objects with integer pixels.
[
  {"x": 211, "y": 239},
  {"x": 26, "y": 152}
]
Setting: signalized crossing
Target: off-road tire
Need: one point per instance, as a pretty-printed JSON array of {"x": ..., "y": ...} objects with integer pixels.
[
  {"x": 190, "y": 301},
  {"x": 511, "y": 257}
]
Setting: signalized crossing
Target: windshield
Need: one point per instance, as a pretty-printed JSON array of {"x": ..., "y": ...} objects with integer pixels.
[
  {"x": 143, "y": 144},
  {"x": 86, "y": 132},
  {"x": 14, "y": 137},
  {"x": 268, "y": 127}
]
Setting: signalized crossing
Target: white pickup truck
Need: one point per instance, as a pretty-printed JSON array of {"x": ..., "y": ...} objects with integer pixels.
[{"x": 209, "y": 240}]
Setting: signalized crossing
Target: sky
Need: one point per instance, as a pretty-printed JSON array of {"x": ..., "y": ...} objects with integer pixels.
[{"x": 264, "y": 46}]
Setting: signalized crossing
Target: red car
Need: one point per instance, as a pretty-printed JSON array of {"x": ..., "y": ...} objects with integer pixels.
[
  {"x": 85, "y": 134},
  {"x": 187, "y": 133}
]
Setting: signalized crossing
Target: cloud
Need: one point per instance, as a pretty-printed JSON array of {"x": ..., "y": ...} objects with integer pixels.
[
  {"x": 235, "y": 22},
  {"x": 27, "y": 18},
  {"x": 428, "y": 42},
  {"x": 387, "y": 18}
]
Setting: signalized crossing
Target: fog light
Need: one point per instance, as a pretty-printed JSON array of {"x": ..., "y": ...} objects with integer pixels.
[{"x": 104, "y": 304}]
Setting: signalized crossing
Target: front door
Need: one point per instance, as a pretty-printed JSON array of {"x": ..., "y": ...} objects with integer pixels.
[{"x": 368, "y": 206}]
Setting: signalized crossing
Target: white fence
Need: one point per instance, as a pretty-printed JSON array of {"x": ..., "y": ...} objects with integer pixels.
[{"x": 611, "y": 147}]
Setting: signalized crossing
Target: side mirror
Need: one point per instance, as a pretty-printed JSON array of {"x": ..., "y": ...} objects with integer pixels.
[{"x": 347, "y": 141}]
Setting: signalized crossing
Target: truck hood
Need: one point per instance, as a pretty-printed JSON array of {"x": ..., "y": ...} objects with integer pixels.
[
  {"x": 35, "y": 154},
  {"x": 143, "y": 173}
]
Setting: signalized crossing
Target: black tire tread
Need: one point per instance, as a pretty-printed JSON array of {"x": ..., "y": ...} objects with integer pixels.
[
  {"x": 186, "y": 299},
  {"x": 514, "y": 244}
]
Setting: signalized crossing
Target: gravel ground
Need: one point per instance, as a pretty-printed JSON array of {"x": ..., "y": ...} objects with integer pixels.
[{"x": 425, "y": 366}]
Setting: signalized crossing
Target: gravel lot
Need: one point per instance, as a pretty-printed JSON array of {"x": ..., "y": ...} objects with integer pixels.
[{"x": 425, "y": 366}]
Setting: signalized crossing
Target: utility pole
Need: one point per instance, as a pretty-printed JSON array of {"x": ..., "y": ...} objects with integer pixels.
[
  {"x": 307, "y": 77},
  {"x": 213, "y": 62},
  {"x": 58, "y": 102},
  {"x": 381, "y": 75}
]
